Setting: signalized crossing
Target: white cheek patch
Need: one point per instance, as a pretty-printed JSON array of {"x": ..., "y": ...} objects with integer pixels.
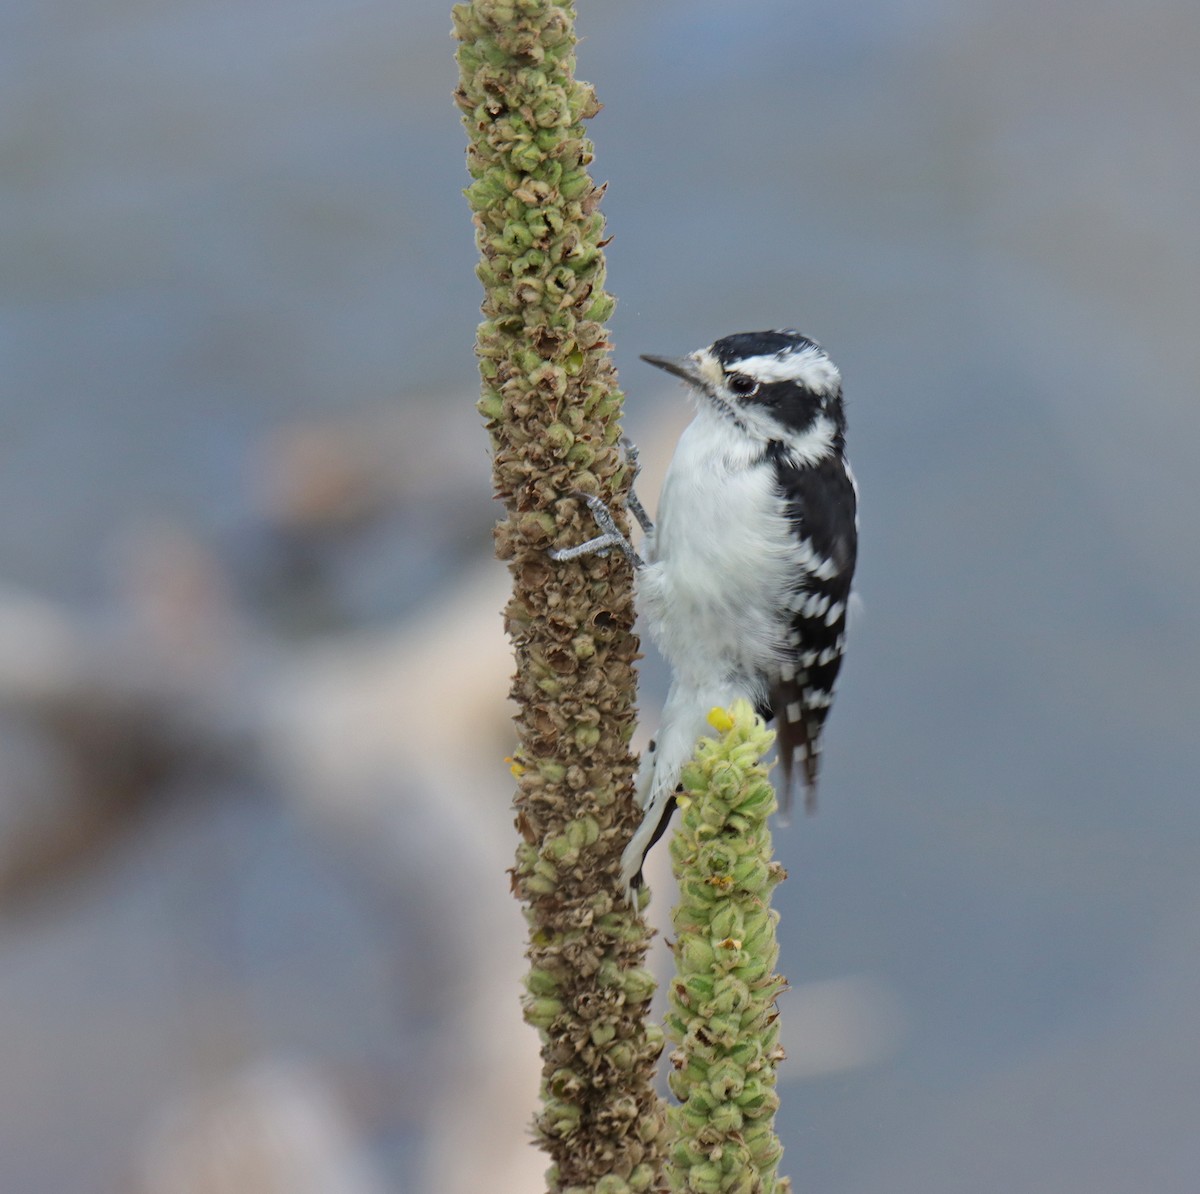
[{"x": 810, "y": 367}]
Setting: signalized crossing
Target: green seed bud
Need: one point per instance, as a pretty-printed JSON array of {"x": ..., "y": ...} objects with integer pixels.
[
  {"x": 542, "y": 1012},
  {"x": 704, "y": 1178},
  {"x": 726, "y": 1118},
  {"x": 728, "y": 922},
  {"x": 491, "y": 406},
  {"x": 602, "y": 1032},
  {"x": 541, "y": 982},
  {"x": 641, "y": 1178},
  {"x": 638, "y": 984},
  {"x": 559, "y": 1119},
  {"x": 694, "y": 955}
]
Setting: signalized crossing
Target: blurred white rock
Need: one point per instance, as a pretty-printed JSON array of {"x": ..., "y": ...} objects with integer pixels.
[
  {"x": 278, "y": 1127},
  {"x": 398, "y": 739}
]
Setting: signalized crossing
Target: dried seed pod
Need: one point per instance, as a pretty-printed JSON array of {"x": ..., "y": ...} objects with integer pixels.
[{"x": 552, "y": 408}]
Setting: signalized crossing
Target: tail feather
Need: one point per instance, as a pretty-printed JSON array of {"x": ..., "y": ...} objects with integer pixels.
[{"x": 642, "y": 842}]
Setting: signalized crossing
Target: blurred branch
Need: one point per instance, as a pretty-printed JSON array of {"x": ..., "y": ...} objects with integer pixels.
[
  {"x": 91, "y": 732},
  {"x": 552, "y": 409}
]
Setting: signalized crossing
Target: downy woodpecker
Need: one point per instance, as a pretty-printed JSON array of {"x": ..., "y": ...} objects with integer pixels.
[{"x": 747, "y": 573}]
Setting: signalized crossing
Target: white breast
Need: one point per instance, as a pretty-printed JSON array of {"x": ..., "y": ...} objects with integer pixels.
[{"x": 721, "y": 559}]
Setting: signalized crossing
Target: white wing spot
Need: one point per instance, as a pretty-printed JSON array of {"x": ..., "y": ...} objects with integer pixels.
[
  {"x": 835, "y": 611},
  {"x": 815, "y": 606},
  {"x": 793, "y": 711}
]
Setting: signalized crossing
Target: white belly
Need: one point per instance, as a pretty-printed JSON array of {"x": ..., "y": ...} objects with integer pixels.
[{"x": 721, "y": 560}]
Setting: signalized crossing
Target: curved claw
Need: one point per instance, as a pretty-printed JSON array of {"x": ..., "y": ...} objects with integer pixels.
[
  {"x": 632, "y": 457},
  {"x": 603, "y": 543},
  {"x": 633, "y": 503}
]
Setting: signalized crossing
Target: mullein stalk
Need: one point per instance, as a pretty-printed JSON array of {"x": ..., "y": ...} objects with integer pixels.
[
  {"x": 722, "y": 1014},
  {"x": 552, "y": 408}
]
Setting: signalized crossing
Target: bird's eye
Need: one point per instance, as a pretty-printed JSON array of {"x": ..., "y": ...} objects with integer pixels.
[{"x": 742, "y": 385}]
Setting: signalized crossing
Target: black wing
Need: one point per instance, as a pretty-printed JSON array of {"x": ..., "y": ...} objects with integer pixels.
[{"x": 821, "y": 506}]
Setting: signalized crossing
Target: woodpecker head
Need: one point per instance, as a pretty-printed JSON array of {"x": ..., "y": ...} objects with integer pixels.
[{"x": 773, "y": 386}]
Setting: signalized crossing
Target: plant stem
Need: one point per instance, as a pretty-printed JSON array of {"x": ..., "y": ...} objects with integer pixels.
[
  {"x": 722, "y": 1014},
  {"x": 552, "y": 407}
]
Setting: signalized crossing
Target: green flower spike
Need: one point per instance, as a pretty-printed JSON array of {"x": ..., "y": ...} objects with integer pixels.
[
  {"x": 722, "y": 1015},
  {"x": 552, "y": 408}
]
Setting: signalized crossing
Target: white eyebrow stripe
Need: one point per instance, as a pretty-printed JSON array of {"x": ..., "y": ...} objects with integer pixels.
[{"x": 810, "y": 366}]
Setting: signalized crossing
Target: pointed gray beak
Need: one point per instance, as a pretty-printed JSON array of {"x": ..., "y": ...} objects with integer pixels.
[{"x": 683, "y": 367}]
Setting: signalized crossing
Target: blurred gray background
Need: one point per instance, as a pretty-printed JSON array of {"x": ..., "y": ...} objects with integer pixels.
[{"x": 254, "y": 934}]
